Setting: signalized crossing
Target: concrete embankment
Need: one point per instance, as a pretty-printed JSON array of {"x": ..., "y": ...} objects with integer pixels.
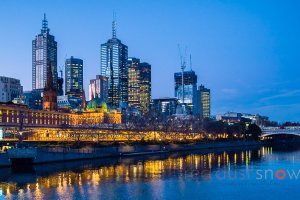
[{"x": 58, "y": 154}]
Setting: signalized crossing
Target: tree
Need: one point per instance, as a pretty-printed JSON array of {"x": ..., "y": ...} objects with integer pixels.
[{"x": 254, "y": 130}]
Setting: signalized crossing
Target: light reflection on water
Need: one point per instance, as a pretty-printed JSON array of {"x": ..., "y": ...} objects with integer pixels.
[{"x": 183, "y": 175}]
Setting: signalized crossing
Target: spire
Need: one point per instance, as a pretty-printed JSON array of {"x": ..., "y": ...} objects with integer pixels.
[
  {"x": 45, "y": 28},
  {"x": 49, "y": 83},
  {"x": 114, "y": 28},
  {"x": 49, "y": 94}
]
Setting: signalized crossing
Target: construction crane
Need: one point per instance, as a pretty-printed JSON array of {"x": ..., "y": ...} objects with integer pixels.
[
  {"x": 61, "y": 72},
  {"x": 183, "y": 66},
  {"x": 191, "y": 61}
]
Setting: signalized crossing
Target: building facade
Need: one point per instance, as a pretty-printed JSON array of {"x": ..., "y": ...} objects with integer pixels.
[
  {"x": 44, "y": 51},
  {"x": 235, "y": 117},
  {"x": 114, "y": 57},
  {"x": 74, "y": 76},
  {"x": 139, "y": 85},
  {"x": 10, "y": 88},
  {"x": 187, "y": 93},
  {"x": 20, "y": 115},
  {"x": 133, "y": 83},
  {"x": 164, "y": 106},
  {"x": 33, "y": 99},
  {"x": 204, "y": 101},
  {"x": 68, "y": 102},
  {"x": 98, "y": 88}
]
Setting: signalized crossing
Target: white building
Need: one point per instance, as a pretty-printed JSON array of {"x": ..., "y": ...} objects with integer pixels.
[
  {"x": 98, "y": 88},
  {"x": 10, "y": 88}
]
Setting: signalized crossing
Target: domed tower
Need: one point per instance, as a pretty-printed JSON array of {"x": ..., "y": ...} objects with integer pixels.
[{"x": 49, "y": 95}]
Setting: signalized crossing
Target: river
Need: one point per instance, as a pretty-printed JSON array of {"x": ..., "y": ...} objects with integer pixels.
[{"x": 259, "y": 173}]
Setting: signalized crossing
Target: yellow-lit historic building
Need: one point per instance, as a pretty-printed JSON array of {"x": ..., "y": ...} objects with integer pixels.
[{"x": 17, "y": 114}]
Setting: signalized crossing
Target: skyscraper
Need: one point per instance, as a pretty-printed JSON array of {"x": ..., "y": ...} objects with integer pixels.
[
  {"x": 204, "y": 101},
  {"x": 98, "y": 88},
  {"x": 139, "y": 84},
  {"x": 187, "y": 94},
  {"x": 145, "y": 86},
  {"x": 114, "y": 56},
  {"x": 44, "y": 51},
  {"x": 133, "y": 83},
  {"x": 74, "y": 76}
]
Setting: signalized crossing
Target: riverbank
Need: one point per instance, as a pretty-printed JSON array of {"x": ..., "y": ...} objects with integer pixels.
[{"x": 60, "y": 154}]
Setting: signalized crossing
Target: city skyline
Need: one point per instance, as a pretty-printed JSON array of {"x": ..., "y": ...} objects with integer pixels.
[{"x": 263, "y": 81}]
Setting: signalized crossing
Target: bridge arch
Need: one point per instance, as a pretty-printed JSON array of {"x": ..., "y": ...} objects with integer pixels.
[{"x": 280, "y": 133}]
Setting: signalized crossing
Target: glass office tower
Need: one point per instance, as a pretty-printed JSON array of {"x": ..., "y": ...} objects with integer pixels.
[
  {"x": 139, "y": 85},
  {"x": 188, "y": 93},
  {"x": 114, "y": 57},
  {"x": 204, "y": 101},
  {"x": 74, "y": 76},
  {"x": 44, "y": 52}
]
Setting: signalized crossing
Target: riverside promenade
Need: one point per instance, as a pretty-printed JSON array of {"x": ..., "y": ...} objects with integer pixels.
[{"x": 61, "y": 154}]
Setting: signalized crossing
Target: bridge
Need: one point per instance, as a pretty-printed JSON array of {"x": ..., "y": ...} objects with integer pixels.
[{"x": 271, "y": 131}]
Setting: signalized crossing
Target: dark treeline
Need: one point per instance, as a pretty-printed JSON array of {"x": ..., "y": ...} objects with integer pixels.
[
  {"x": 290, "y": 124},
  {"x": 241, "y": 130}
]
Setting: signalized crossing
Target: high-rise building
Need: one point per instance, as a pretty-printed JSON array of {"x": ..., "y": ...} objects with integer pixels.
[
  {"x": 10, "y": 88},
  {"x": 139, "y": 85},
  {"x": 187, "y": 93},
  {"x": 114, "y": 56},
  {"x": 133, "y": 83},
  {"x": 204, "y": 101},
  {"x": 74, "y": 77},
  {"x": 44, "y": 51},
  {"x": 145, "y": 86},
  {"x": 98, "y": 88}
]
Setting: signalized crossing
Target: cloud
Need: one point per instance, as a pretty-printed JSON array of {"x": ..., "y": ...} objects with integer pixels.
[{"x": 285, "y": 94}]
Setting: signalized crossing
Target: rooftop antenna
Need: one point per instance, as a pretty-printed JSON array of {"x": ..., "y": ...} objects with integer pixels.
[
  {"x": 114, "y": 26},
  {"x": 45, "y": 28}
]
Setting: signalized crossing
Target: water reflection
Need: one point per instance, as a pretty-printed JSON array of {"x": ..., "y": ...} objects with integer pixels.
[{"x": 90, "y": 178}]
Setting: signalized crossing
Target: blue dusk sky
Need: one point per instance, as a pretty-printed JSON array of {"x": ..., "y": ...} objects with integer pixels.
[{"x": 245, "y": 51}]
